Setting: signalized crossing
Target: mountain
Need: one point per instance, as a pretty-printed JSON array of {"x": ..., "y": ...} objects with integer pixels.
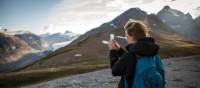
[
  {"x": 89, "y": 50},
  {"x": 58, "y": 37},
  {"x": 135, "y": 13},
  {"x": 156, "y": 24},
  {"x": 197, "y": 22},
  {"x": 12, "y": 48},
  {"x": 19, "y": 49},
  {"x": 180, "y": 22},
  {"x": 32, "y": 40},
  {"x": 58, "y": 40}
]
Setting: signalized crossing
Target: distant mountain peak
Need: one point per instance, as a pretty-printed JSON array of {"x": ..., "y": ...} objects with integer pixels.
[
  {"x": 166, "y": 7},
  {"x": 197, "y": 17},
  {"x": 197, "y": 21},
  {"x": 180, "y": 22},
  {"x": 188, "y": 15},
  {"x": 133, "y": 9},
  {"x": 68, "y": 31},
  {"x": 133, "y": 13}
]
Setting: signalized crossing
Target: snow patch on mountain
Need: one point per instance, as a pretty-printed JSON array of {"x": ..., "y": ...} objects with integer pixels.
[
  {"x": 56, "y": 46},
  {"x": 58, "y": 40}
]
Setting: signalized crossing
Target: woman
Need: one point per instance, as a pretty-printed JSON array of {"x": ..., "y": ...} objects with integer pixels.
[{"x": 124, "y": 61}]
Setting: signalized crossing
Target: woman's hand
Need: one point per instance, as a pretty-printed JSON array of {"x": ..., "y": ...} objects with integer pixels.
[{"x": 113, "y": 45}]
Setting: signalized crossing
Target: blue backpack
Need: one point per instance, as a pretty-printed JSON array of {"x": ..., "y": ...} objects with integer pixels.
[{"x": 149, "y": 73}]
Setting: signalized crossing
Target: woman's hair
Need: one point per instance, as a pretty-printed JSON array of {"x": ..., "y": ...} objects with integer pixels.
[{"x": 136, "y": 28}]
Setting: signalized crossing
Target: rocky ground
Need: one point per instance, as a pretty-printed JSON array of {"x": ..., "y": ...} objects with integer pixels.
[{"x": 181, "y": 72}]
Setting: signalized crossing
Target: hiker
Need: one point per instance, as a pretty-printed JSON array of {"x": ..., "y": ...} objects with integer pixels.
[{"x": 138, "y": 63}]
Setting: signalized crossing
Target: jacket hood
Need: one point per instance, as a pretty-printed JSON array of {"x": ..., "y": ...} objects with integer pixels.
[{"x": 144, "y": 47}]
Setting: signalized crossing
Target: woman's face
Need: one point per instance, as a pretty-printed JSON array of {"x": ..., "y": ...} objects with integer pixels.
[{"x": 130, "y": 39}]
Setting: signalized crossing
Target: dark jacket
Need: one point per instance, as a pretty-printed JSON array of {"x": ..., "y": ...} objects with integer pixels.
[{"x": 124, "y": 63}]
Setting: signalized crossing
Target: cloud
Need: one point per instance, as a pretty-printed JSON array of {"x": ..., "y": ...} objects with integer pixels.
[
  {"x": 82, "y": 15},
  {"x": 48, "y": 29}
]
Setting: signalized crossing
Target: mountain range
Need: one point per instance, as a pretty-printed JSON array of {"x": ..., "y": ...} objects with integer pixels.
[
  {"x": 175, "y": 32},
  {"x": 180, "y": 22},
  {"x": 20, "y": 49},
  {"x": 54, "y": 40},
  {"x": 12, "y": 48}
]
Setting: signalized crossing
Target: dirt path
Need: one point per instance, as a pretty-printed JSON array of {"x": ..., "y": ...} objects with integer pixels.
[{"x": 180, "y": 73}]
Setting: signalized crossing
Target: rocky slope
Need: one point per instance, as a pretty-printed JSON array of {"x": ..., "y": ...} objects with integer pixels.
[
  {"x": 18, "y": 50},
  {"x": 180, "y": 22},
  {"x": 197, "y": 22},
  {"x": 12, "y": 48},
  {"x": 33, "y": 40},
  {"x": 181, "y": 72}
]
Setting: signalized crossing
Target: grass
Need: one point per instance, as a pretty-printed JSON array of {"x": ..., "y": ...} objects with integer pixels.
[
  {"x": 17, "y": 79},
  {"x": 167, "y": 52},
  {"x": 22, "y": 78}
]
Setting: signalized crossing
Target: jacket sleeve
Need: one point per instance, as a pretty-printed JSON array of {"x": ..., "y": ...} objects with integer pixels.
[
  {"x": 120, "y": 64},
  {"x": 115, "y": 54}
]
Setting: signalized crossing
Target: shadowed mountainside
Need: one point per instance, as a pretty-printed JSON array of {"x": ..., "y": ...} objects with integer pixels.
[
  {"x": 180, "y": 22},
  {"x": 12, "y": 48},
  {"x": 19, "y": 49}
]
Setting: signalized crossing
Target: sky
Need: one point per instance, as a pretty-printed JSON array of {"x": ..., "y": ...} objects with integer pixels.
[{"x": 79, "y": 16}]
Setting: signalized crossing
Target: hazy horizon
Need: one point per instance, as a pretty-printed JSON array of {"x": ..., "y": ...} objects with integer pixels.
[{"x": 79, "y": 16}]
